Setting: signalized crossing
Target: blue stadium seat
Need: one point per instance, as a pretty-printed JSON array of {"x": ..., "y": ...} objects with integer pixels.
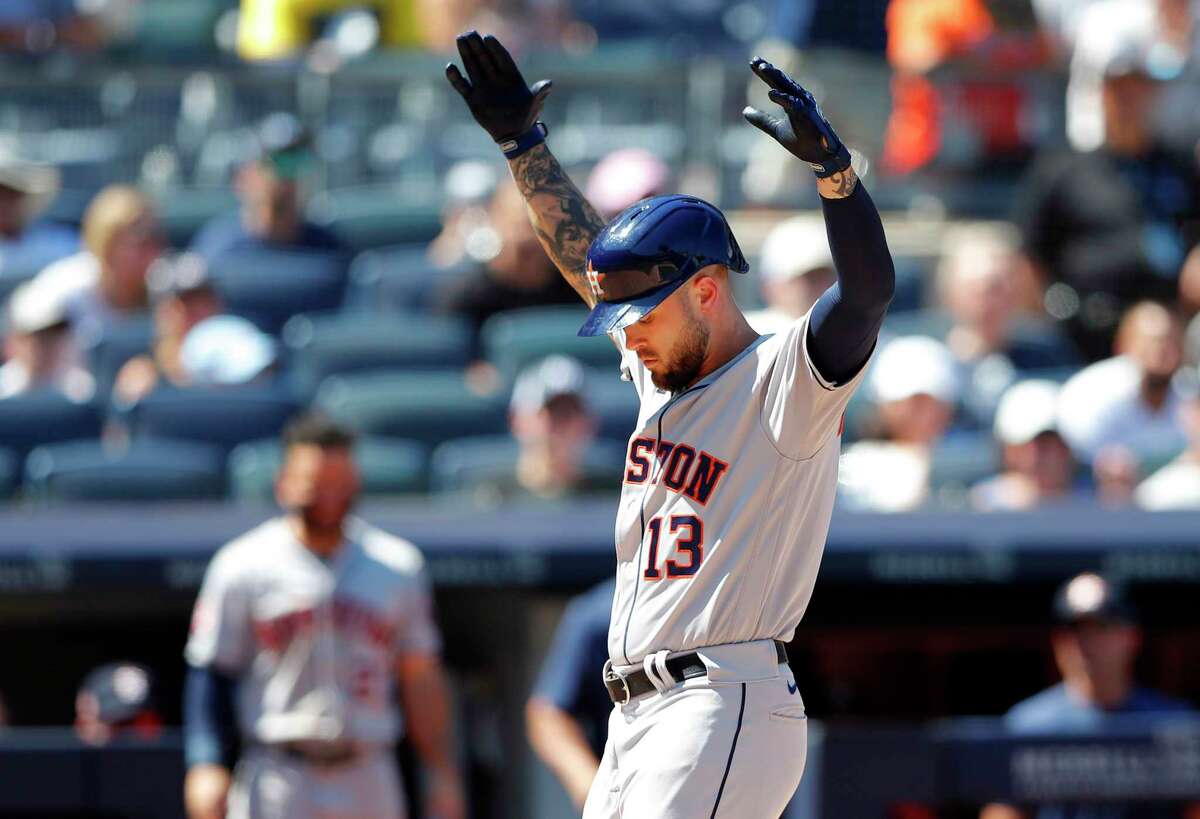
[
  {"x": 429, "y": 407},
  {"x": 464, "y": 463},
  {"x": 370, "y": 216},
  {"x": 119, "y": 343},
  {"x": 27, "y": 421},
  {"x": 270, "y": 286},
  {"x": 614, "y": 402},
  {"x": 147, "y": 470},
  {"x": 388, "y": 466},
  {"x": 323, "y": 345},
  {"x": 10, "y": 473},
  {"x": 961, "y": 459},
  {"x": 224, "y": 417},
  {"x": 514, "y": 339},
  {"x": 400, "y": 277}
]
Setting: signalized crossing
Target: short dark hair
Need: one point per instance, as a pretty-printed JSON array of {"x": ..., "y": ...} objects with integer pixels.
[{"x": 317, "y": 429}]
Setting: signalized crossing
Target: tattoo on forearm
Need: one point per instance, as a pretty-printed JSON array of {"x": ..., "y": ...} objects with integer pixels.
[
  {"x": 563, "y": 219},
  {"x": 839, "y": 185}
]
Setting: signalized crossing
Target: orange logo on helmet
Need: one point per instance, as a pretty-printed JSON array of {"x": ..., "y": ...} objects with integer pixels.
[{"x": 595, "y": 281}]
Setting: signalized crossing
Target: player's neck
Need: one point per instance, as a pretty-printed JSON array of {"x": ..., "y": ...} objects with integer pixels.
[
  {"x": 726, "y": 343},
  {"x": 322, "y": 541}
]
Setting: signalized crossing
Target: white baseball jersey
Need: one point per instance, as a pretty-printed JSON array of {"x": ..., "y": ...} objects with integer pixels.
[
  {"x": 314, "y": 643},
  {"x": 728, "y": 491}
]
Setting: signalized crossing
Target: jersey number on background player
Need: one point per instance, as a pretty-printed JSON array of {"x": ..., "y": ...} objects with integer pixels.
[{"x": 689, "y": 543}]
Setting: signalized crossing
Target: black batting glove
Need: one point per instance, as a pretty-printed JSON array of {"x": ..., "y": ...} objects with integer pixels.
[
  {"x": 494, "y": 89},
  {"x": 804, "y": 132}
]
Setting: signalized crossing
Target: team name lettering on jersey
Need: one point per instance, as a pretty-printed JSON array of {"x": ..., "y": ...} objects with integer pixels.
[
  {"x": 276, "y": 633},
  {"x": 683, "y": 468}
]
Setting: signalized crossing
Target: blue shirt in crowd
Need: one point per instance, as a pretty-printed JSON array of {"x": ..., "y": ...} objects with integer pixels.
[
  {"x": 226, "y": 233},
  {"x": 1057, "y": 711},
  {"x": 571, "y": 673}
]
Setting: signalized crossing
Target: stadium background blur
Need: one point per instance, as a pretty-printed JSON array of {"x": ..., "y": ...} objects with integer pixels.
[{"x": 351, "y": 245}]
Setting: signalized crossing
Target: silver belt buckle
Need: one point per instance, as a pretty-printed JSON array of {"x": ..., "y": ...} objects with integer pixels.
[{"x": 611, "y": 676}]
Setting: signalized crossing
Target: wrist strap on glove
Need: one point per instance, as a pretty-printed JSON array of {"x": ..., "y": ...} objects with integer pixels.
[
  {"x": 835, "y": 164},
  {"x": 536, "y": 135}
]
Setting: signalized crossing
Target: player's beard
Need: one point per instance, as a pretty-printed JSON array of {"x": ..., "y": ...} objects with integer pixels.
[{"x": 687, "y": 355}]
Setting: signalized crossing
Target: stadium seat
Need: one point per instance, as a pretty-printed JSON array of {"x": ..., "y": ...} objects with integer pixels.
[
  {"x": 376, "y": 216},
  {"x": 615, "y": 403},
  {"x": 400, "y": 277},
  {"x": 468, "y": 462},
  {"x": 27, "y": 421},
  {"x": 389, "y": 466},
  {"x": 10, "y": 474},
  {"x": 429, "y": 407},
  {"x": 225, "y": 417},
  {"x": 323, "y": 345},
  {"x": 119, "y": 343},
  {"x": 147, "y": 470},
  {"x": 185, "y": 210},
  {"x": 270, "y": 286},
  {"x": 514, "y": 339},
  {"x": 960, "y": 460}
]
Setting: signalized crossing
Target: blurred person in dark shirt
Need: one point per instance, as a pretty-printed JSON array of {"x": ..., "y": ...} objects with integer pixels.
[
  {"x": 1038, "y": 466},
  {"x": 269, "y": 187},
  {"x": 566, "y": 717},
  {"x": 1095, "y": 642},
  {"x": 39, "y": 348},
  {"x": 518, "y": 273},
  {"x": 183, "y": 296},
  {"x": 27, "y": 244},
  {"x": 1108, "y": 224},
  {"x": 117, "y": 701}
]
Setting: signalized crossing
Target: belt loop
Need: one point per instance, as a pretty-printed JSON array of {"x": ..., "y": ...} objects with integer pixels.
[{"x": 655, "y": 666}]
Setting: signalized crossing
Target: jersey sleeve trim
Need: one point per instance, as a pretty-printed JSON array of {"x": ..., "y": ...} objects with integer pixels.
[{"x": 820, "y": 379}]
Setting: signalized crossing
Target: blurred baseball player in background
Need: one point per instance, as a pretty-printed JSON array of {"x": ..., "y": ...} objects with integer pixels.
[
  {"x": 731, "y": 472},
  {"x": 319, "y": 620}
]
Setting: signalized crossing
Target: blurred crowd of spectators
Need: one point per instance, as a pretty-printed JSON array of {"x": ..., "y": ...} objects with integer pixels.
[{"x": 1047, "y": 358}]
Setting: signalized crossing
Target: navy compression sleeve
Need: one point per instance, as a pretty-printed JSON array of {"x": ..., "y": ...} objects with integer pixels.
[
  {"x": 845, "y": 321},
  {"x": 208, "y": 723}
]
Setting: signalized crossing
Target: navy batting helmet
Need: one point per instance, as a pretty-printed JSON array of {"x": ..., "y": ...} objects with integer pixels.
[{"x": 648, "y": 251}]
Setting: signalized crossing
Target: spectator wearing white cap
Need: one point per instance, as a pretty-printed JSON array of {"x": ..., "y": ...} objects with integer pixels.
[
  {"x": 226, "y": 351},
  {"x": 625, "y": 177},
  {"x": 28, "y": 244},
  {"x": 553, "y": 425},
  {"x": 1177, "y": 484},
  {"x": 915, "y": 385},
  {"x": 796, "y": 267},
  {"x": 183, "y": 296},
  {"x": 39, "y": 347},
  {"x": 1132, "y": 400},
  {"x": 1038, "y": 467}
]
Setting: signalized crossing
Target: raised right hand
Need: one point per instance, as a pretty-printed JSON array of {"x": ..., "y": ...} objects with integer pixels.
[{"x": 494, "y": 89}]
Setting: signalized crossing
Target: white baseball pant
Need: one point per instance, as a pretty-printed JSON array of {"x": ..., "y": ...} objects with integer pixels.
[
  {"x": 269, "y": 784},
  {"x": 731, "y": 744}
]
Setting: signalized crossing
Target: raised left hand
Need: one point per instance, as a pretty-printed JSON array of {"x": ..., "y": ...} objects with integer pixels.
[{"x": 804, "y": 131}]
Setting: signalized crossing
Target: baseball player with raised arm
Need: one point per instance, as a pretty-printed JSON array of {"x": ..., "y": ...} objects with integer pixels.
[
  {"x": 732, "y": 469},
  {"x": 305, "y": 631}
]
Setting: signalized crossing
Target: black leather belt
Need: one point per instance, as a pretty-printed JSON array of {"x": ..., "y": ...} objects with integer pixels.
[
  {"x": 623, "y": 688},
  {"x": 319, "y": 754}
]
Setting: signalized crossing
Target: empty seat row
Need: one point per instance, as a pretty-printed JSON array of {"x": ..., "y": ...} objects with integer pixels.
[{"x": 172, "y": 470}]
